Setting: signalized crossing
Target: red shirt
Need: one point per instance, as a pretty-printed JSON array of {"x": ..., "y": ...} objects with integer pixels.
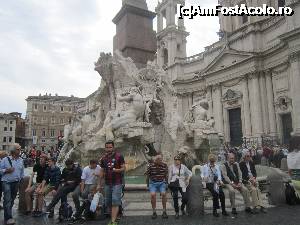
[{"x": 108, "y": 163}]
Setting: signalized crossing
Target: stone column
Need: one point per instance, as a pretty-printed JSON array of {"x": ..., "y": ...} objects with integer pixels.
[
  {"x": 160, "y": 22},
  {"x": 160, "y": 59},
  {"x": 172, "y": 14},
  {"x": 295, "y": 90},
  {"x": 264, "y": 104},
  {"x": 209, "y": 100},
  {"x": 218, "y": 108},
  {"x": 255, "y": 106},
  {"x": 172, "y": 48},
  {"x": 184, "y": 48},
  {"x": 270, "y": 100},
  {"x": 181, "y": 24},
  {"x": 180, "y": 105},
  {"x": 246, "y": 109}
]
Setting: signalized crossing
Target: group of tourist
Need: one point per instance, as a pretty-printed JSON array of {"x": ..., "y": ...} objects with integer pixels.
[
  {"x": 33, "y": 155},
  {"x": 106, "y": 178},
  {"x": 234, "y": 176},
  {"x": 268, "y": 155}
]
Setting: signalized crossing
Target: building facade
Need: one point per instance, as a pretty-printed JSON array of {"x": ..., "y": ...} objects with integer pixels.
[
  {"x": 46, "y": 117},
  {"x": 12, "y": 130},
  {"x": 250, "y": 77}
]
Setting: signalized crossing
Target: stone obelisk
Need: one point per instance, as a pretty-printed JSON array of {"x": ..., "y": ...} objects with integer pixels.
[{"x": 135, "y": 36}]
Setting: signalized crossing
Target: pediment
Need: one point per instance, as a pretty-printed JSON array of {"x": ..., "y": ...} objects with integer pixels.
[
  {"x": 227, "y": 58},
  {"x": 231, "y": 95}
]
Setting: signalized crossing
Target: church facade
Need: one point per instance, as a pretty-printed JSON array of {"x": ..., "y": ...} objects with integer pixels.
[{"x": 250, "y": 77}]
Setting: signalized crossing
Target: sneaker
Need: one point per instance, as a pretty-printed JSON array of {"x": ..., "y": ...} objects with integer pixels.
[
  {"x": 119, "y": 217},
  {"x": 154, "y": 215},
  {"x": 215, "y": 213},
  {"x": 164, "y": 215},
  {"x": 37, "y": 214},
  {"x": 73, "y": 220},
  {"x": 255, "y": 210},
  {"x": 10, "y": 222},
  {"x": 177, "y": 216},
  {"x": 248, "y": 210},
  {"x": 50, "y": 213},
  {"x": 224, "y": 213},
  {"x": 113, "y": 223},
  {"x": 234, "y": 212},
  {"x": 27, "y": 213},
  {"x": 263, "y": 209}
]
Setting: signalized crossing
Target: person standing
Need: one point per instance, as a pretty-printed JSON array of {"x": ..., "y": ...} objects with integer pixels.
[
  {"x": 39, "y": 169},
  {"x": 293, "y": 161},
  {"x": 249, "y": 179},
  {"x": 179, "y": 177},
  {"x": 12, "y": 168},
  {"x": 157, "y": 174},
  {"x": 2, "y": 155},
  {"x": 232, "y": 179},
  {"x": 112, "y": 171},
  {"x": 211, "y": 175},
  {"x": 89, "y": 178}
]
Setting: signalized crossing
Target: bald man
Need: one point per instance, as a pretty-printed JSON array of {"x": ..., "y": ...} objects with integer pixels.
[{"x": 232, "y": 178}]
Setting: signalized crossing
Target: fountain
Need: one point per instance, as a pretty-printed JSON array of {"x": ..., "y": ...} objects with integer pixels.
[{"x": 137, "y": 109}]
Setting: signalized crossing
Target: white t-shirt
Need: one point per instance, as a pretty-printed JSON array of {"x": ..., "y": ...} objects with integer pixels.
[
  {"x": 293, "y": 160},
  {"x": 90, "y": 175}
]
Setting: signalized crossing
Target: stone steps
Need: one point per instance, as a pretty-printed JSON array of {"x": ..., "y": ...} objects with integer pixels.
[{"x": 138, "y": 203}]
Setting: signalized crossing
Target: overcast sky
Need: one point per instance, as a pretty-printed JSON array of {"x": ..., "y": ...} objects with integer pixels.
[{"x": 50, "y": 46}]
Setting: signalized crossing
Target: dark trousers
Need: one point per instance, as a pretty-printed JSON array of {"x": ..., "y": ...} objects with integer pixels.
[
  {"x": 174, "y": 192},
  {"x": 0, "y": 189},
  {"x": 61, "y": 194},
  {"x": 217, "y": 196},
  {"x": 10, "y": 191}
]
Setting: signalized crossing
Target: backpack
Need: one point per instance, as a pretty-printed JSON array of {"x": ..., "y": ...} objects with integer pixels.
[
  {"x": 65, "y": 212},
  {"x": 290, "y": 195}
]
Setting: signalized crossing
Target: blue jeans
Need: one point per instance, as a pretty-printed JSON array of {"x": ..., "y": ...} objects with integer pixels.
[
  {"x": 10, "y": 191},
  {"x": 157, "y": 187}
]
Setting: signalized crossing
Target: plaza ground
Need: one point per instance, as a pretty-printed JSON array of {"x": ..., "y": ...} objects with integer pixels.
[
  {"x": 138, "y": 212},
  {"x": 282, "y": 215}
]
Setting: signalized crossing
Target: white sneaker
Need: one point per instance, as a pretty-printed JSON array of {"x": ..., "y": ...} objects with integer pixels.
[{"x": 10, "y": 222}]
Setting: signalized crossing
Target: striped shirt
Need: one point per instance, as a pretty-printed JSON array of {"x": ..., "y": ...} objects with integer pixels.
[{"x": 157, "y": 172}]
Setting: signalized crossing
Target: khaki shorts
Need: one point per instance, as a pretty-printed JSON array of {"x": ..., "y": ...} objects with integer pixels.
[{"x": 48, "y": 189}]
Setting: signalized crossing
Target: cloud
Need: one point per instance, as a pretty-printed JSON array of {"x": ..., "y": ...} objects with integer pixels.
[{"x": 51, "y": 46}]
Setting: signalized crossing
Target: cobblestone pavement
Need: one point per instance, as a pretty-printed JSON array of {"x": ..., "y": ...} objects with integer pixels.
[{"x": 283, "y": 215}]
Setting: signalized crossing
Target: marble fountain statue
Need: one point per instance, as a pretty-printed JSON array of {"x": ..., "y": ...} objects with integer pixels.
[{"x": 137, "y": 108}]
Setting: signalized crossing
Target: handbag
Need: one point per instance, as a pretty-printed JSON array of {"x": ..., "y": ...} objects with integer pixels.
[{"x": 175, "y": 184}]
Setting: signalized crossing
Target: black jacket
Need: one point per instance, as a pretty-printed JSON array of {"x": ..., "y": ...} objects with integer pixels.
[
  {"x": 244, "y": 170},
  {"x": 73, "y": 174},
  {"x": 52, "y": 176}
]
